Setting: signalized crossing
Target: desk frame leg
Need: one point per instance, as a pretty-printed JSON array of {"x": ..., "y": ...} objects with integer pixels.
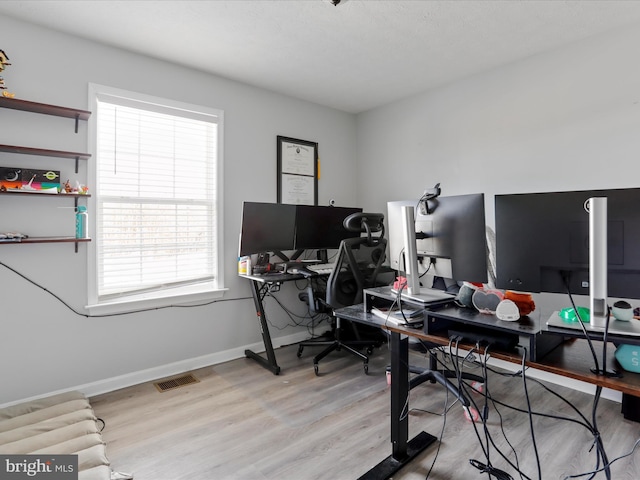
[
  {"x": 403, "y": 450},
  {"x": 270, "y": 362}
]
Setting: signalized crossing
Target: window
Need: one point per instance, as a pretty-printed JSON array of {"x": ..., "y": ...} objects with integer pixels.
[{"x": 157, "y": 199}]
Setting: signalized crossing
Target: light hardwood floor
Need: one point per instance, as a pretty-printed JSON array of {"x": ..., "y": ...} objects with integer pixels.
[{"x": 242, "y": 422}]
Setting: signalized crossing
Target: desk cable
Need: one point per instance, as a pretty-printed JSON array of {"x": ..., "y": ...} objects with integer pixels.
[
  {"x": 446, "y": 408},
  {"x": 529, "y": 411},
  {"x": 581, "y": 422},
  {"x": 488, "y": 468},
  {"x": 73, "y": 310},
  {"x": 457, "y": 365},
  {"x": 444, "y": 423},
  {"x": 567, "y": 282},
  {"x": 488, "y": 442},
  {"x": 294, "y": 317},
  {"x": 592, "y": 473}
]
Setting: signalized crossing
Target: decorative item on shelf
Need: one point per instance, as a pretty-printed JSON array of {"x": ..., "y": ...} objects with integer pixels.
[
  {"x": 4, "y": 61},
  {"x": 244, "y": 265},
  {"x": 507, "y": 310},
  {"x": 464, "y": 297},
  {"x": 622, "y": 310},
  {"x": 81, "y": 189},
  {"x": 82, "y": 219},
  {"x": 12, "y": 237},
  {"x": 29, "y": 180},
  {"x": 10, "y": 178},
  {"x": 523, "y": 300},
  {"x": 78, "y": 189},
  {"x": 486, "y": 300},
  {"x": 628, "y": 356}
]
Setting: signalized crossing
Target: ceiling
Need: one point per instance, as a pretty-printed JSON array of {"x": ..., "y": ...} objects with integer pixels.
[{"x": 353, "y": 57}]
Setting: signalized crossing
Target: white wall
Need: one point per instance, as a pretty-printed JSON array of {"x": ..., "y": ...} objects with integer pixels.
[
  {"x": 564, "y": 120},
  {"x": 44, "y": 347}
]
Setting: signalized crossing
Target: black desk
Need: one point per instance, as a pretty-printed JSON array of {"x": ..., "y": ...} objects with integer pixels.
[
  {"x": 528, "y": 332},
  {"x": 261, "y": 285},
  {"x": 571, "y": 360},
  {"x": 403, "y": 449}
]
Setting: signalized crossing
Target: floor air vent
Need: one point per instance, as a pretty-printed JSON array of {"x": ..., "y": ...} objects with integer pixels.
[{"x": 178, "y": 382}]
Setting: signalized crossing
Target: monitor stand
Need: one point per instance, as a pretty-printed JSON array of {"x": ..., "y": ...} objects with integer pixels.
[
  {"x": 617, "y": 328},
  {"x": 427, "y": 295},
  {"x": 322, "y": 255}
]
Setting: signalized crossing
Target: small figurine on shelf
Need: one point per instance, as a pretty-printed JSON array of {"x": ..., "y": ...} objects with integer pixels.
[
  {"x": 78, "y": 189},
  {"x": 81, "y": 189},
  {"x": 4, "y": 61}
]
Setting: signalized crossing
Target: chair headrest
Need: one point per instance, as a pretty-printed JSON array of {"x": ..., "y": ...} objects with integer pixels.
[{"x": 365, "y": 223}]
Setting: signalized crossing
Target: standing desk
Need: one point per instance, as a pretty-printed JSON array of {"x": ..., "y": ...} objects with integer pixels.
[
  {"x": 261, "y": 285},
  {"x": 572, "y": 360}
]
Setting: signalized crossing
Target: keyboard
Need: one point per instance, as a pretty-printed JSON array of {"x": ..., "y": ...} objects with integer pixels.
[{"x": 321, "y": 268}]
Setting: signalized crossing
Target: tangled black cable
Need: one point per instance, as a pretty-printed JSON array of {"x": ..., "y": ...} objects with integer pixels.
[
  {"x": 492, "y": 471},
  {"x": 488, "y": 468}
]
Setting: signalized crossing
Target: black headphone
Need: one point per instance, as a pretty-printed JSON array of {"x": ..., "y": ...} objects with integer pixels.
[{"x": 429, "y": 194}]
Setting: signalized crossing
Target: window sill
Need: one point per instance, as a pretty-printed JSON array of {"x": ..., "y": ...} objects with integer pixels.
[{"x": 149, "y": 301}]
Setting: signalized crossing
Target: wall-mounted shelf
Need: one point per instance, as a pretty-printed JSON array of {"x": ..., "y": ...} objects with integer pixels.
[
  {"x": 75, "y": 196},
  {"x": 47, "y": 240},
  {"x": 26, "y": 106},
  {"x": 55, "y": 110},
  {"x": 48, "y": 195},
  {"x": 43, "y": 152}
]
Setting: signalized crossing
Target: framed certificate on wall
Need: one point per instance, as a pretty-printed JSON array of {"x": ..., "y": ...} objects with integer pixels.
[{"x": 297, "y": 171}]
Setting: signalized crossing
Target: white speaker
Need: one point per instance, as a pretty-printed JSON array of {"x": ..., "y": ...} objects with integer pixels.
[{"x": 507, "y": 310}]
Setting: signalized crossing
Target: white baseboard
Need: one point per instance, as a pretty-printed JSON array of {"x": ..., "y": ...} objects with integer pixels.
[{"x": 134, "y": 378}]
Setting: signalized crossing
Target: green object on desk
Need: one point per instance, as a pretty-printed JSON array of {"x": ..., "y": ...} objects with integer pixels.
[{"x": 569, "y": 315}]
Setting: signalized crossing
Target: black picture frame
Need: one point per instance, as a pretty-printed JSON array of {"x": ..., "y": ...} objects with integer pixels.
[{"x": 297, "y": 171}]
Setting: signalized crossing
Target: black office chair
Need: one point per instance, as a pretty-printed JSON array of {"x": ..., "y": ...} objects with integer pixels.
[{"x": 353, "y": 272}]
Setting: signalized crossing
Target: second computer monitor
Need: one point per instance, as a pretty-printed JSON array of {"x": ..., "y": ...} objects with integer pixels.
[
  {"x": 450, "y": 236},
  {"x": 542, "y": 241},
  {"x": 267, "y": 227},
  {"x": 321, "y": 227}
]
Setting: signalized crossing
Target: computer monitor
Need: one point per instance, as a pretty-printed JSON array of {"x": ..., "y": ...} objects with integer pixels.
[
  {"x": 321, "y": 227},
  {"x": 450, "y": 236},
  {"x": 542, "y": 242},
  {"x": 267, "y": 227}
]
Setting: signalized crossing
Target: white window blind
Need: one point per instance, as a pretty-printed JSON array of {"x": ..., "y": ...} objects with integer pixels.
[{"x": 156, "y": 197}]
